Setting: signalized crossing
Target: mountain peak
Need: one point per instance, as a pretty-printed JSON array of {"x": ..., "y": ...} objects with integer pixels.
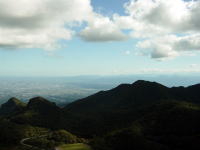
[
  {"x": 11, "y": 106},
  {"x": 122, "y": 86},
  {"x": 14, "y": 101},
  {"x": 38, "y": 99},
  {"x": 146, "y": 83},
  {"x": 124, "y": 96},
  {"x": 142, "y": 82},
  {"x": 39, "y": 103}
]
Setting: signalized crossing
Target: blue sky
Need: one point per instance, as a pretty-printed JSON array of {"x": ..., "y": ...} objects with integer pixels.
[
  {"x": 111, "y": 6},
  {"x": 80, "y": 55}
]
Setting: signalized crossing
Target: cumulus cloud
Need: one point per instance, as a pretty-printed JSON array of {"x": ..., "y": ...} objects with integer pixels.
[
  {"x": 171, "y": 16},
  {"x": 102, "y": 29},
  {"x": 171, "y": 45},
  {"x": 166, "y": 28},
  {"x": 39, "y": 24}
]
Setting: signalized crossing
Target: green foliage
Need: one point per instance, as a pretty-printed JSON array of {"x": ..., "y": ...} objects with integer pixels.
[
  {"x": 12, "y": 133},
  {"x": 78, "y": 146},
  {"x": 143, "y": 115},
  {"x": 165, "y": 126},
  {"x": 53, "y": 139},
  {"x": 11, "y": 107},
  {"x": 41, "y": 143},
  {"x": 40, "y": 112},
  {"x": 119, "y": 107},
  {"x": 62, "y": 136},
  {"x": 124, "y": 139}
]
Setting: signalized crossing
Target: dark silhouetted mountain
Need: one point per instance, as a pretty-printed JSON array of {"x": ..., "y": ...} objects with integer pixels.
[
  {"x": 12, "y": 106},
  {"x": 39, "y": 112},
  {"x": 131, "y": 116},
  {"x": 125, "y": 96},
  {"x": 131, "y": 96},
  {"x": 164, "y": 126},
  {"x": 118, "y": 107},
  {"x": 40, "y": 104}
]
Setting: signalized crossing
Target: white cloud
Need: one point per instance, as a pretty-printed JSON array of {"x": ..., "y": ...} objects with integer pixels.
[
  {"x": 102, "y": 29},
  {"x": 171, "y": 15},
  {"x": 39, "y": 24},
  {"x": 171, "y": 45},
  {"x": 166, "y": 28}
]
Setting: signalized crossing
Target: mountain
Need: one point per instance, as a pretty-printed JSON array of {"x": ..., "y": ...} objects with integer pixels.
[
  {"x": 118, "y": 107},
  {"x": 39, "y": 112},
  {"x": 164, "y": 126},
  {"x": 41, "y": 105},
  {"x": 125, "y": 96},
  {"x": 39, "y": 118},
  {"x": 12, "y": 106},
  {"x": 131, "y": 96},
  {"x": 190, "y": 93},
  {"x": 143, "y": 115}
]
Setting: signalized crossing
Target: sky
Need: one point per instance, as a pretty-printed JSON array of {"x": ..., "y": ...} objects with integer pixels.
[{"x": 99, "y": 37}]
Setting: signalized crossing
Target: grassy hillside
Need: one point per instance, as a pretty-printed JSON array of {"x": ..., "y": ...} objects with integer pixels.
[
  {"x": 78, "y": 146},
  {"x": 11, "y": 133}
]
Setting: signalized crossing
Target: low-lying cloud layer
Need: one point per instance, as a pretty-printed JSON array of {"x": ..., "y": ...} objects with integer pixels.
[{"x": 165, "y": 28}]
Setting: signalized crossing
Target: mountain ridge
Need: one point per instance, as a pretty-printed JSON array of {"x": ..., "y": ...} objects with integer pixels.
[
  {"x": 103, "y": 109},
  {"x": 137, "y": 94},
  {"x": 142, "y": 115}
]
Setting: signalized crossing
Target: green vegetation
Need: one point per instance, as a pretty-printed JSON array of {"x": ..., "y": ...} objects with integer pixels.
[
  {"x": 63, "y": 136},
  {"x": 77, "y": 146},
  {"x": 117, "y": 108},
  {"x": 12, "y": 106},
  {"x": 12, "y": 133},
  {"x": 144, "y": 115},
  {"x": 164, "y": 126},
  {"x": 53, "y": 139},
  {"x": 40, "y": 112}
]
